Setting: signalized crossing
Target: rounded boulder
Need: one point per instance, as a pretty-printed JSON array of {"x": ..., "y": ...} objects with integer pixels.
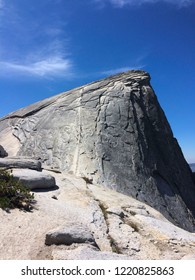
[{"x": 34, "y": 179}]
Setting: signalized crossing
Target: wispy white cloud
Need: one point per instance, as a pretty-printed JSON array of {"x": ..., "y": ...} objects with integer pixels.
[
  {"x": 39, "y": 50},
  {"x": 122, "y": 3},
  {"x": 51, "y": 66},
  {"x": 51, "y": 59}
]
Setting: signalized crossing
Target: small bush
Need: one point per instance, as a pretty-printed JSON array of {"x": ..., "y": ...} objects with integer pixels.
[{"x": 13, "y": 194}]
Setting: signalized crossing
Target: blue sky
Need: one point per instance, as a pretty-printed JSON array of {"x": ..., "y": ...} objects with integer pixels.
[{"x": 50, "y": 46}]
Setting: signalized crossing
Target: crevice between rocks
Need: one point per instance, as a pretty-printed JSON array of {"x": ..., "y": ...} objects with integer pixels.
[{"x": 112, "y": 241}]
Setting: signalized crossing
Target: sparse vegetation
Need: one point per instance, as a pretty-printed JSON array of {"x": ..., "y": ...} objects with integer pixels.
[
  {"x": 103, "y": 209},
  {"x": 13, "y": 194},
  {"x": 113, "y": 243},
  {"x": 115, "y": 248},
  {"x": 87, "y": 180},
  {"x": 132, "y": 225}
]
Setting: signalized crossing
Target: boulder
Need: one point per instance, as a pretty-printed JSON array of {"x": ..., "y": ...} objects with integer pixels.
[
  {"x": 19, "y": 162},
  {"x": 33, "y": 179},
  {"x": 3, "y": 153},
  {"x": 68, "y": 235}
]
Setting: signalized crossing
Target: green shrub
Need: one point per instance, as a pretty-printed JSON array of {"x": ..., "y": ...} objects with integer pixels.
[{"x": 13, "y": 194}]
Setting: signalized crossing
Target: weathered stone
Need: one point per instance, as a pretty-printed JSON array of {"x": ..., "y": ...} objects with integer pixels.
[
  {"x": 116, "y": 211},
  {"x": 34, "y": 179},
  {"x": 3, "y": 153},
  {"x": 141, "y": 232},
  {"x": 133, "y": 236},
  {"x": 114, "y": 133},
  {"x": 19, "y": 162},
  {"x": 87, "y": 252},
  {"x": 189, "y": 257},
  {"x": 68, "y": 235}
]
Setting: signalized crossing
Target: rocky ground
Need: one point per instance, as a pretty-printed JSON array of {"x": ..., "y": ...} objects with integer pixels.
[{"x": 80, "y": 220}]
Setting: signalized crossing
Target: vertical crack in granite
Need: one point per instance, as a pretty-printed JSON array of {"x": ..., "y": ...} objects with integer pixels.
[{"x": 79, "y": 138}]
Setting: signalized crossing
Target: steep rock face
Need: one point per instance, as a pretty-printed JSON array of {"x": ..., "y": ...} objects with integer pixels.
[
  {"x": 2, "y": 152},
  {"x": 115, "y": 133},
  {"x": 192, "y": 166}
]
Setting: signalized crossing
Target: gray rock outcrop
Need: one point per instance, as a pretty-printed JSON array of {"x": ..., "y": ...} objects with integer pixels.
[
  {"x": 19, "y": 162},
  {"x": 33, "y": 179},
  {"x": 68, "y": 235},
  {"x": 114, "y": 133},
  {"x": 122, "y": 227}
]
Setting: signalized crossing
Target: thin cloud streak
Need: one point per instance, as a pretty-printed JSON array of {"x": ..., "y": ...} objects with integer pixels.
[
  {"x": 44, "y": 51},
  {"x": 122, "y": 3},
  {"x": 49, "y": 67},
  {"x": 122, "y": 69},
  {"x": 48, "y": 61},
  {"x": 53, "y": 66}
]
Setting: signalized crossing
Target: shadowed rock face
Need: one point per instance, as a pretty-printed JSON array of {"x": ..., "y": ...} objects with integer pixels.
[
  {"x": 192, "y": 166},
  {"x": 114, "y": 132},
  {"x": 2, "y": 152}
]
